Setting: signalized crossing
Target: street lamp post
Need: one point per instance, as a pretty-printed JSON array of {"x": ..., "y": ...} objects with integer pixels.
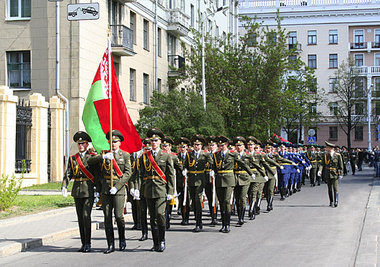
[
  {"x": 369, "y": 107},
  {"x": 203, "y": 54}
]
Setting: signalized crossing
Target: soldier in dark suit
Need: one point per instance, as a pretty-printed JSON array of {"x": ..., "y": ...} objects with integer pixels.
[
  {"x": 332, "y": 168},
  {"x": 194, "y": 168},
  {"x": 83, "y": 188},
  {"x": 182, "y": 144},
  {"x": 113, "y": 193},
  {"x": 157, "y": 172},
  {"x": 223, "y": 165}
]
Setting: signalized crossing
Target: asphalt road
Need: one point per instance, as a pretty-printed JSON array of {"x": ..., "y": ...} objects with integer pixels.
[{"x": 301, "y": 231}]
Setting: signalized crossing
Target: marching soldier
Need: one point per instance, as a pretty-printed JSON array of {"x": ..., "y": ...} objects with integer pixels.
[
  {"x": 134, "y": 197},
  {"x": 157, "y": 172},
  {"x": 332, "y": 167},
  {"x": 210, "y": 182},
  {"x": 272, "y": 174},
  {"x": 182, "y": 144},
  {"x": 83, "y": 188},
  {"x": 223, "y": 166},
  {"x": 114, "y": 197},
  {"x": 194, "y": 168},
  {"x": 313, "y": 158}
]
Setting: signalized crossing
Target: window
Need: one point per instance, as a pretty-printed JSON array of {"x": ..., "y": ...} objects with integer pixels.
[
  {"x": 146, "y": 88},
  {"x": 376, "y": 89},
  {"x": 252, "y": 39},
  {"x": 333, "y": 36},
  {"x": 377, "y": 39},
  {"x": 272, "y": 38},
  {"x": 146, "y": 35},
  {"x": 377, "y": 108},
  {"x": 359, "y": 133},
  {"x": 359, "y": 87},
  {"x": 217, "y": 31},
  {"x": 332, "y": 85},
  {"x": 358, "y": 38},
  {"x": 132, "y": 25},
  {"x": 333, "y": 133},
  {"x": 333, "y": 109},
  {"x": 293, "y": 59},
  {"x": 192, "y": 14},
  {"x": 172, "y": 45},
  {"x": 19, "y": 9},
  {"x": 377, "y": 59},
  {"x": 159, "y": 85},
  {"x": 312, "y": 37},
  {"x": 313, "y": 86},
  {"x": 132, "y": 84},
  {"x": 359, "y": 60},
  {"x": 359, "y": 108},
  {"x": 159, "y": 41},
  {"x": 312, "y": 61},
  {"x": 333, "y": 61},
  {"x": 292, "y": 40},
  {"x": 313, "y": 108},
  {"x": 18, "y": 65}
]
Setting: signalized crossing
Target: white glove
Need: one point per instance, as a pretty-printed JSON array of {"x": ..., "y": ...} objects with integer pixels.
[
  {"x": 319, "y": 173},
  {"x": 132, "y": 192},
  {"x": 137, "y": 195},
  {"x": 113, "y": 191},
  {"x": 96, "y": 194},
  {"x": 253, "y": 176},
  {"x": 184, "y": 172},
  {"x": 212, "y": 173},
  {"x": 266, "y": 178},
  {"x": 108, "y": 155},
  {"x": 64, "y": 192},
  {"x": 303, "y": 162},
  {"x": 298, "y": 171},
  {"x": 340, "y": 177},
  {"x": 294, "y": 164},
  {"x": 169, "y": 197},
  {"x": 281, "y": 167}
]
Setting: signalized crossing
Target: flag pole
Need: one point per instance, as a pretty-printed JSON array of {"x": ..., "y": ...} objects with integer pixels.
[{"x": 110, "y": 96}]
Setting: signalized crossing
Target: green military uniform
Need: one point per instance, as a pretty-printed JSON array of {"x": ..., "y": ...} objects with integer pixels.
[
  {"x": 156, "y": 188},
  {"x": 353, "y": 160},
  {"x": 271, "y": 172},
  {"x": 114, "y": 201},
  {"x": 180, "y": 181},
  {"x": 223, "y": 166},
  {"x": 195, "y": 164},
  {"x": 319, "y": 161},
  {"x": 131, "y": 198},
  {"x": 210, "y": 187},
  {"x": 332, "y": 164},
  {"x": 83, "y": 189},
  {"x": 313, "y": 157}
]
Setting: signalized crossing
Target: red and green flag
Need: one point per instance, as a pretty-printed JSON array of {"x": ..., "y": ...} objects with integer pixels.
[{"x": 96, "y": 115}]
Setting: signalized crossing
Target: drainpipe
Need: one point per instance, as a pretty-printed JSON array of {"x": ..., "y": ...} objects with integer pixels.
[{"x": 156, "y": 47}]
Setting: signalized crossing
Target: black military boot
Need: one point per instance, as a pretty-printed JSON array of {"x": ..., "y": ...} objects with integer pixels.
[
  {"x": 110, "y": 241},
  {"x": 258, "y": 204},
  {"x": 331, "y": 199},
  {"x": 87, "y": 248},
  {"x": 198, "y": 222},
  {"x": 282, "y": 193},
  {"x": 270, "y": 204},
  {"x": 81, "y": 248},
  {"x": 121, "y": 230},
  {"x": 168, "y": 212},
  {"x": 336, "y": 199},
  {"x": 144, "y": 230},
  {"x": 241, "y": 216},
  {"x": 161, "y": 238},
  {"x": 227, "y": 221},
  {"x": 156, "y": 243},
  {"x": 223, "y": 221},
  {"x": 214, "y": 220},
  {"x": 252, "y": 210},
  {"x": 135, "y": 217}
]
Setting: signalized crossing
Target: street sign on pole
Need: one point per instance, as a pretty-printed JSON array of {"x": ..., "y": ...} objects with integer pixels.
[
  {"x": 88, "y": 11},
  {"x": 311, "y": 140}
]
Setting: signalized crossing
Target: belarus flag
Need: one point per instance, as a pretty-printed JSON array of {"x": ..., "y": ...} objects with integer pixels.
[{"x": 96, "y": 116}]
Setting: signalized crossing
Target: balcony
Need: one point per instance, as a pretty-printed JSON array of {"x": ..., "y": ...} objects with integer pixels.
[
  {"x": 176, "y": 65},
  {"x": 178, "y": 23},
  {"x": 296, "y": 47},
  {"x": 364, "y": 46},
  {"x": 127, "y": 1},
  {"x": 122, "y": 40},
  {"x": 367, "y": 70}
]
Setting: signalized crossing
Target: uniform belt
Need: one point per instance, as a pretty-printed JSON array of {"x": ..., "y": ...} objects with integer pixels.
[
  {"x": 225, "y": 171},
  {"x": 286, "y": 164},
  {"x": 240, "y": 172},
  {"x": 207, "y": 170},
  {"x": 254, "y": 169},
  {"x": 151, "y": 177},
  {"x": 195, "y": 172},
  {"x": 313, "y": 161},
  {"x": 81, "y": 179},
  {"x": 331, "y": 168},
  {"x": 115, "y": 177}
]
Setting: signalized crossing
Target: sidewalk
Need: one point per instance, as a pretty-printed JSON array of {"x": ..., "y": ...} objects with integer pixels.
[{"x": 36, "y": 230}]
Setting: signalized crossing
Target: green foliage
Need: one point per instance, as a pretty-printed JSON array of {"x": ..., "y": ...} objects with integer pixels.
[
  {"x": 49, "y": 186},
  {"x": 179, "y": 114},
  {"x": 9, "y": 188}
]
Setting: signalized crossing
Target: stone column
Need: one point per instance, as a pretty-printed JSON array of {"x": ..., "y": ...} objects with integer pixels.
[
  {"x": 57, "y": 139},
  {"x": 39, "y": 137},
  {"x": 8, "y": 113}
]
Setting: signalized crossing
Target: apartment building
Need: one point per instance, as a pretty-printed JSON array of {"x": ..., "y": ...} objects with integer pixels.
[
  {"x": 145, "y": 40},
  {"x": 326, "y": 33}
]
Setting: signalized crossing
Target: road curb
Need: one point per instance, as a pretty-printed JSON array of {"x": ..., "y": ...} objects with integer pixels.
[{"x": 14, "y": 247}]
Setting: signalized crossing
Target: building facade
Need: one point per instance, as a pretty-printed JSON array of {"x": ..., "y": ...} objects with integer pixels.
[{"x": 328, "y": 32}]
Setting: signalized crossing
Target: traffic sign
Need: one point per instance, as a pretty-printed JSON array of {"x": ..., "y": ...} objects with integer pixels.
[
  {"x": 311, "y": 132},
  {"x": 311, "y": 140},
  {"x": 83, "y": 11}
]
